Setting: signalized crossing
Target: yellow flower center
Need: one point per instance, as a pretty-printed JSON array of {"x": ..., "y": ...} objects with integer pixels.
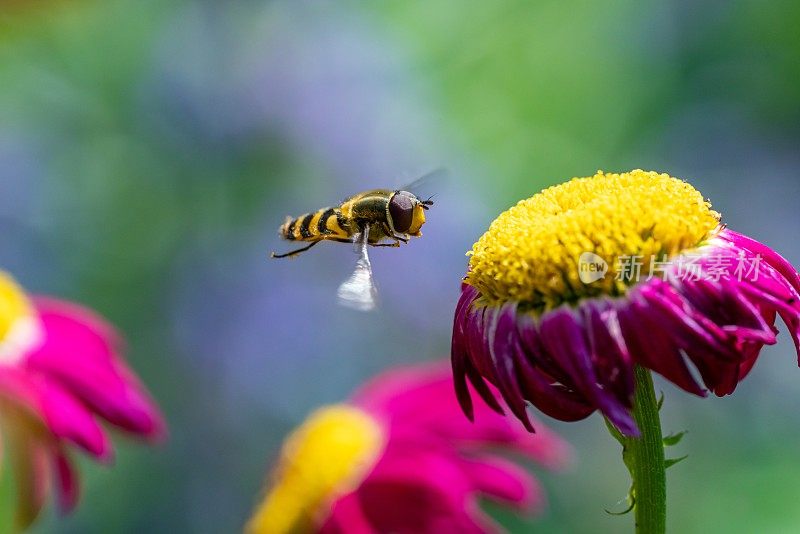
[
  {"x": 534, "y": 252},
  {"x": 19, "y": 326},
  {"x": 325, "y": 458}
]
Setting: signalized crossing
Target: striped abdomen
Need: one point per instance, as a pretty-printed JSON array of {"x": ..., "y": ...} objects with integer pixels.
[{"x": 327, "y": 223}]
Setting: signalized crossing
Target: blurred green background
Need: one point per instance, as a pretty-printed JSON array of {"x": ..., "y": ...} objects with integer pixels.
[{"x": 149, "y": 150}]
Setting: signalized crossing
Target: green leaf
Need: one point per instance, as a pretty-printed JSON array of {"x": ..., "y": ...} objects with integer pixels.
[
  {"x": 669, "y": 462},
  {"x": 628, "y": 510},
  {"x": 631, "y": 498},
  {"x": 661, "y": 401},
  {"x": 674, "y": 439}
]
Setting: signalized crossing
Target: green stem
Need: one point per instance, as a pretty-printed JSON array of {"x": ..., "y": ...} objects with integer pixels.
[{"x": 644, "y": 457}]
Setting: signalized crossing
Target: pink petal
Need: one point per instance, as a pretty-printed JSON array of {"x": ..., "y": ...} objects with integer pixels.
[
  {"x": 68, "y": 419},
  {"x": 563, "y": 337},
  {"x": 347, "y": 516},
  {"x": 609, "y": 352},
  {"x": 505, "y": 481},
  {"x": 67, "y": 484},
  {"x": 418, "y": 492},
  {"x": 78, "y": 352},
  {"x": 458, "y": 352},
  {"x": 503, "y": 342},
  {"x": 777, "y": 261},
  {"x": 418, "y": 401},
  {"x": 478, "y": 366},
  {"x": 653, "y": 346}
]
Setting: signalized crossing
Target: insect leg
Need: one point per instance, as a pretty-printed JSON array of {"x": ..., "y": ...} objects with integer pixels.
[{"x": 293, "y": 252}]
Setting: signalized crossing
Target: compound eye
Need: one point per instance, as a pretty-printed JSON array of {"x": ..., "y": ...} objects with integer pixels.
[{"x": 401, "y": 209}]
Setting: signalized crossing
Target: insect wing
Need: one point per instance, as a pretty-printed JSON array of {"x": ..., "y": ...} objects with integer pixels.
[
  {"x": 358, "y": 291},
  {"x": 424, "y": 185}
]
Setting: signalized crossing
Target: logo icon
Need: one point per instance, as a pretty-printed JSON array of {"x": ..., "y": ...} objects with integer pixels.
[{"x": 591, "y": 267}]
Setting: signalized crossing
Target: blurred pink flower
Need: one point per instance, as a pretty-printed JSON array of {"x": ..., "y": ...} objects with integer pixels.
[
  {"x": 60, "y": 372},
  {"x": 400, "y": 457}
]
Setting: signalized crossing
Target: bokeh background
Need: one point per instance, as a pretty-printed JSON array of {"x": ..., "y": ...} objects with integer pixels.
[{"x": 150, "y": 149}]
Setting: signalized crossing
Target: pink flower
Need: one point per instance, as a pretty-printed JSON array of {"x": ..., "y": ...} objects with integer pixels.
[
  {"x": 399, "y": 457},
  {"x": 60, "y": 374},
  {"x": 542, "y": 319}
]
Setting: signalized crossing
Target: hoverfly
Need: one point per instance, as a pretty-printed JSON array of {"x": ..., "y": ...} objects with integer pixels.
[{"x": 365, "y": 219}]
